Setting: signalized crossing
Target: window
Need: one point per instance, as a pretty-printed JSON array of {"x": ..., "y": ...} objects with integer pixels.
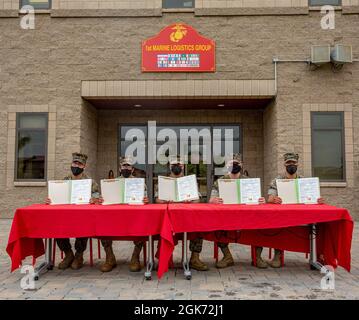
[
  {"x": 328, "y": 145},
  {"x": 37, "y": 4},
  {"x": 31, "y": 146},
  {"x": 168, "y": 4},
  {"x": 325, "y": 2}
]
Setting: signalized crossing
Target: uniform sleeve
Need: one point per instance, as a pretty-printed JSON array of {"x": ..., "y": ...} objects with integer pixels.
[{"x": 272, "y": 190}]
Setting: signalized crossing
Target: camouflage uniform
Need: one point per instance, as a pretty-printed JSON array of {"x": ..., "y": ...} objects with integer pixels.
[
  {"x": 215, "y": 194},
  {"x": 129, "y": 160},
  {"x": 273, "y": 191},
  {"x": 195, "y": 245},
  {"x": 290, "y": 156},
  {"x": 80, "y": 243},
  {"x": 138, "y": 244}
]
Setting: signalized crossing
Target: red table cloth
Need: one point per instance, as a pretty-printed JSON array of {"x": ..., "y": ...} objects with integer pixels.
[
  {"x": 276, "y": 226},
  {"x": 270, "y": 225},
  {"x": 33, "y": 223}
]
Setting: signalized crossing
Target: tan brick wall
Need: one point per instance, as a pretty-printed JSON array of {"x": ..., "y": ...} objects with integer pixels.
[
  {"x": 297, "y": 89},
  {"x": 157, "y": 4},
  {"x": 9, "y": 4},
  {"x": 270, "y": 143},
  {"x": 250, "y": 3},
  {"x": 89, "y": 135},
  {"x": 46, "y": 66},
  {"x": 107, "y": 4}
]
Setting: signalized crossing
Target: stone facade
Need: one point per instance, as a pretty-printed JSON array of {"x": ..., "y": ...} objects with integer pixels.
[{"x": 46, "y": 67}]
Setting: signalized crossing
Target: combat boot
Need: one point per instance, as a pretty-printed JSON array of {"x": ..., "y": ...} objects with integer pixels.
[
  {"x": 135, "y": 265},
  {"x": 277, "y": 261},
  {"x": 197, "y": 264},
  {"x": 260, "y": 263},
  {"x": 78, "y": 261},
  {"x": 110, "y": 262},
  {"x": 67, "y": 261},
  {"x": 227, "y": 259}
]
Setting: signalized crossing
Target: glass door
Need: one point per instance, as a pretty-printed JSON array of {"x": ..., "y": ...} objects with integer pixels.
[{"x": 204, "y": 147}]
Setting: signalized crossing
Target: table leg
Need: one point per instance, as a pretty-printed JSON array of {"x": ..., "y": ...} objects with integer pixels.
[
  {"x": 47, "y": 264},
  {"x": 187, "y": 270},
  {"x": 149, "y": 267},
  {"x": 313, "y": 262}
]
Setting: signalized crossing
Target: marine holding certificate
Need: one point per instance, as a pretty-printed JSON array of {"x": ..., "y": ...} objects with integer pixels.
[
  {"x": 181, "y": 188},
  {"x": 126, "y": 170},
  {"x": 78, "y": 165},
  {"x": 291, "y": 167},
  {"x": 234, "y": 165}
]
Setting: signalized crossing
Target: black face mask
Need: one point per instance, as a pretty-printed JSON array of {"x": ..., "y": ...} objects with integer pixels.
[
  {"x": 176, "y": 170},
  {"x": 291, "y": 169},
  {"x": 76, "y": 170},
  {"x": 126, "y": 173},
  {"x": 235, "y": 168}
]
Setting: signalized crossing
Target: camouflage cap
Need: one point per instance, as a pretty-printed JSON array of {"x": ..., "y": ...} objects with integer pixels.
[
  {"x": 291, "y": 156},
  {"x": 234, "y": 157},
  {"x": 80, "y": 157},
  {"x": 127, "y": 160},
  {"x": 175, "y": 160}
]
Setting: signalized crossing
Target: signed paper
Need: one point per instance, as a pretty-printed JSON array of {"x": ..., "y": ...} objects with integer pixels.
[
  {"x": 250, "y": 190},
  {"x": 81, "y": 191},
  {"x": 134, "y": 190},
  {"x": 187, "y": 188},
  {"x": 308, "y": 190}
]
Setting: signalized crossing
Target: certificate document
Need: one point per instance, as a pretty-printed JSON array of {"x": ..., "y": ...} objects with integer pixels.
[
  {"x": 250, "y": 190},
  {"x": 308, "y": 190},
  {"x": 187, "y": 188},
  {"x": 112, "y": 191},
  {"x": 134, "y": 190},
  {"x": 229, "y": 190},
  {"x": 59, "y": 191},
  {"x": 81, "y": 191},
  {"x": 236, "y": 191},
  {"x": 287, "y": 190},
  {"x": 178, "y": 189},
  {"x": 167, "y": 188}
]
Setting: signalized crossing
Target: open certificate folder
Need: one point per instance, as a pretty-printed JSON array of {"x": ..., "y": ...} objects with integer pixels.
[
  {"x": 70, "y": 191},
  {"x": 308, "y": 190},
  {"x": 237, "y": 191},
  {"x": 178, "y": 189},
  {"x": 119, "y": 191},
  {"x": 302, "y": 190}
]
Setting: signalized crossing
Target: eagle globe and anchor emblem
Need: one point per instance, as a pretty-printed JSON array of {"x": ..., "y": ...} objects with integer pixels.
[{"x": 179, "y": 33}]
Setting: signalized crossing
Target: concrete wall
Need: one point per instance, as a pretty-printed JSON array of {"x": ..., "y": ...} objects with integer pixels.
[{"x": 45, "y": 66}]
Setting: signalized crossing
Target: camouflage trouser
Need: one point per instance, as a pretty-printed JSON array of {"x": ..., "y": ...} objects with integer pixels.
[
  {"x": 65, "y": 245},
  {"x": 106, "y": 243},
  {"x": 196, "y": 245},
  {"x": 138, "y": 244}
]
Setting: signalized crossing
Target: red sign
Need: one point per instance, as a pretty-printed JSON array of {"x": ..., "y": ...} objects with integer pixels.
[{"x": 178, "y": 48}]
